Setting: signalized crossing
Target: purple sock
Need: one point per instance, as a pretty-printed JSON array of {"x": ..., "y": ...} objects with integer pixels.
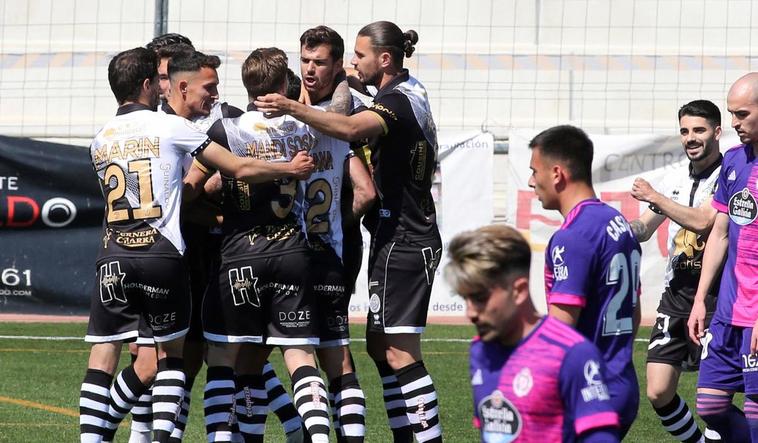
[{"x": 718, "y": 412}]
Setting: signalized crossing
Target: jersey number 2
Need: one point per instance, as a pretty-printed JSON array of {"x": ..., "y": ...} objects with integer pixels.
[{"x": 625, "y": 276}]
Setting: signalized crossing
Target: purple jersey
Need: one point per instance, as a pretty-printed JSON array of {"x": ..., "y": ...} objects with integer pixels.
[
  {"x": 736, "y": 194},
  {"x": 593, "y": 262},
  {"x": 549, "y": 387}
]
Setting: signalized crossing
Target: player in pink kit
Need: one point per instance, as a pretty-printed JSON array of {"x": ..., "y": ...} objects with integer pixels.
[
  {"x": 534, "y": 378},
  {"x": 728, "y": 362},
  {"x": 592, "y": 263}
]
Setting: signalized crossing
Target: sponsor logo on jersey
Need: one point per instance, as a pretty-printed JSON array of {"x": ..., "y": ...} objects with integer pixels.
[
  {"x": 596, "y": 389},
  {"x": 743, "y": 208},
  {"x": 374, "y": 303},
  {"x": 111, "y": 282},
  {"x": 749, "y": 363},
  {"x": 523, "y": 382},
  {"x": 501, "y": 421},
  {"x": 560, "y": 270},
  {"x": 243, "y": 283},
  {"x": 385, "y": 213},
  {"x": 136, "y": 239},
  {"x": 431, "y": 261}
]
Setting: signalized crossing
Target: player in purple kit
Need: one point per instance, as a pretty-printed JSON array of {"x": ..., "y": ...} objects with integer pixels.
[
  {"x": 533, "y": 378},
  {"x": 592, "y": 262},
  {"x": 728, "y": 363}
]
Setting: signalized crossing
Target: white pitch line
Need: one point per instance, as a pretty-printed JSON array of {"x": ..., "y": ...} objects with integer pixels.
[
  {"x": 36, "y": 337},
  {"x": 427, "y": 340}
]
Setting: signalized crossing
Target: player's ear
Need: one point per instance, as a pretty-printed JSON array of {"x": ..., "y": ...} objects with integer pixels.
[
  {"x": 147, "y": 84},
  {"x": 183, "y": 86},
  {"x": 717, "y": 132},
  {"x": 520, "y": 288},
  {"x": 385, "y": 59}
]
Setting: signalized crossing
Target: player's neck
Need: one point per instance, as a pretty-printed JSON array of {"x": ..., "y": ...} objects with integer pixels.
[
  {"x": 573, "y": 194},
  {"x": 527, "y": 321},
  {"x": 387, "y": 77}
]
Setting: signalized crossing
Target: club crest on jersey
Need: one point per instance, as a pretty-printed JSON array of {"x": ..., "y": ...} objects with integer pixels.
[
  {"x": 596, "y": 389},
  {"x": 523, "y": 382},
  {"x": 374, "y": 303},
  {"x": 743, "y": 209},
  {"x": 501, "y": 421}
]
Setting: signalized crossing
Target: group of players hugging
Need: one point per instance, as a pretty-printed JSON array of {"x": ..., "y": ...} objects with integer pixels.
[{"x": 229, "y": 232}]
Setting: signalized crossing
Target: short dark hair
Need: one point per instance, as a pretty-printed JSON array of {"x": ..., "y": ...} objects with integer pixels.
[
  {"x": 191, "y": 62},
  {"x": 702, "y": 108},
  {"x": 293, "y": 85},
  {"x": 167, "y": 40},
  {"x": 569, "y": 145},
  {"x": 387, "y": 36},
  {"x": 324, "y": 35},
  {"x": 128, "y": 70},
  {"x": 264, "y": 71},
  {"x": 177, "y": 50}
]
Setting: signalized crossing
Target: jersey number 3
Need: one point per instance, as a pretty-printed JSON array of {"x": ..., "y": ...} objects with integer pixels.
[{"x": 625, "y": 276}]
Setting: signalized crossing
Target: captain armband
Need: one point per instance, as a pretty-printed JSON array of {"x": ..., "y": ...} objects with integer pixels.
[{"x": 202, "y": 168}]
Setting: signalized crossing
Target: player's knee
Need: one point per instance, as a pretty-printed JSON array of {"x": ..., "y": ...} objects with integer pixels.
[
  {"x": 146, "y": 368},
  {"x": 659, "y": 396}
]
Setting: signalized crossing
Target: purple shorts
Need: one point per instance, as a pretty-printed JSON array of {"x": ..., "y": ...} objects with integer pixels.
[{"x": 726, "y": 363}]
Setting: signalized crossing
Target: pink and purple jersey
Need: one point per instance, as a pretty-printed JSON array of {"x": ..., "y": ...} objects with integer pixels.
[
  {"x": 593, "y": 262},
  {"x": 736, "y": 194},
  {"x": 549, "y": 387}
]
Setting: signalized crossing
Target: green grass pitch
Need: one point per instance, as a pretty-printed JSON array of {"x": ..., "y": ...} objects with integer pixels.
[{"x": 40, "y": 380}]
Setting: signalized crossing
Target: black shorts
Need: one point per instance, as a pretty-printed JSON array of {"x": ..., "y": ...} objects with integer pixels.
[
  {"x": 154, "y": 289},
  {"x": 332, "y": 300},
  {"x": 352, "y": 256},
  {"x": 263, "y": 298},
  {"x": 670, "y": 344},
  {"x": 203, "y": 256},
  {"x": 401, "y": 272}
]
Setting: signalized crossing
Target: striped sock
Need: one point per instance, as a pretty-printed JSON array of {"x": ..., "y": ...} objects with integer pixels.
[
  {"x": 311, "y": 402},
  {"x": 142, "y": 418},
  {"x": 251, "y": 407},
  {"x": 751, "y": 415},
  {"x": 168, "y": 391},
  {"x": 93, "y": 405},
  {"x": 218, "y": 403},
  {"x": 677, "y": 419},
  {"x": 124, "y": 393},
  {"x": 181, "y": 424},
  {"x": 348, "y": 408},
  {"x": 279, "y": 401},
  {"x": 394, "y": 404},
  {"x": 720, "y": 415},
  {"x": 420, "y": 402}
]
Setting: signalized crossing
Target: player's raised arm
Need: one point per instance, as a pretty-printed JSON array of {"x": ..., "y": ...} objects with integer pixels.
[
  {"x": 697, "y": 219},
  {"x": 350, "y": 128}
]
